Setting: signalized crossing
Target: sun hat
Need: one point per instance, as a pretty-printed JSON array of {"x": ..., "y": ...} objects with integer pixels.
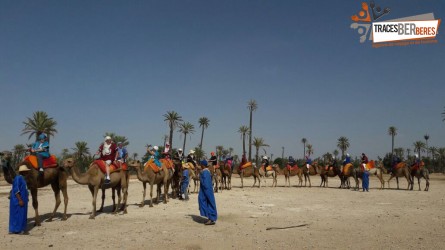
[{"x": 23, "y": 168}]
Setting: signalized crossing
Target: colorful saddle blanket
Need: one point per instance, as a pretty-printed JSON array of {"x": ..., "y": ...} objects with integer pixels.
[
  {"x": 290, "y": 168},
  {"x": 50, "y": 162},
  {"x": 103, "y": 166},
  {"x": 400, "y": 165},
  {"x": 167, "y": 163},
  {"x": 151, "y": 164},
  {"x": 268, "y": 168},
  {"x": 248, "y": 164},
  {"x": 347, "y": 167}
]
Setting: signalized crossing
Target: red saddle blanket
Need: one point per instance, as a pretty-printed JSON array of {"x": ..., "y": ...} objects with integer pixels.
[
  {"x": 102, "y": 166},
  {"x": 167, "y": 163},
  {"x": 400, "y": 165},
  {"x": 50, "y": 162},
  {"x": 290, "y": 168}
]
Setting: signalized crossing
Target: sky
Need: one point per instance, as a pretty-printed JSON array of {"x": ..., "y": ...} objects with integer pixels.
[{"x": 119, "y": 66}]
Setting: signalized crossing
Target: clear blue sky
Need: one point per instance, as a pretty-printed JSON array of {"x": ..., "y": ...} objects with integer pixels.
[{"x": 118, "y": 66}]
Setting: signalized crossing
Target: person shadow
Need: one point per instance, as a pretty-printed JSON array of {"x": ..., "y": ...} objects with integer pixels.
[{"x": 198, "y": 219}]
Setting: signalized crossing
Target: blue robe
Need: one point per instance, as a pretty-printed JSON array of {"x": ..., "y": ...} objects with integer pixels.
[
  {"x": 365, "y": 183},
  {"x": 185, "y": 182},
  {"x": 206, "y": 198},
  {"x": 18, "y": 215}
]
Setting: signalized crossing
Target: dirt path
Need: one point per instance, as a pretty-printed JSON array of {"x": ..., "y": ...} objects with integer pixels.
[{"x": 249, "y": 218}]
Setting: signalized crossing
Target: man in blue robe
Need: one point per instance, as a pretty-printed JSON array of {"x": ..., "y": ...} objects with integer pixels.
[
  {"x": 18, "y": 205},
  {"x": 185, "y": 183},
  {"x": 206, "y": 198}
]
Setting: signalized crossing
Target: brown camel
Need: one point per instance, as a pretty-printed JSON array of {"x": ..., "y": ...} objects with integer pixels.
[
  {"x": 176, "y": 178},
  {"x": 330, "y": 171},
  {"x": 419, "y": 173},
  {"x": 377, "y": 171},
  {"x": 346, "y": 172},
  {"x": 313, "y": 170},
  {"x": 270, "y": 173},
  {"x": 216, "y": 177},
  {"x": 194, "y": 175},
  {"x": 56, "y": 176},
  {"x": 289, "y": 171},
  {"x": 402, "y": 170},
  {"x": 247, "y": 172},
  {"x": 94, "y": 178},
  {"x": 147, "y": 175},
  {"x": 227, "y": 176}
]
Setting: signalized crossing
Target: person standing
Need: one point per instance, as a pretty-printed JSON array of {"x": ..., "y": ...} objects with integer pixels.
[
  {"x": 18, "y": 204},
  {"x": 206, "y": 197},
  {"x": 365, "y": 182},
  {"x": 185, "y": 182}
]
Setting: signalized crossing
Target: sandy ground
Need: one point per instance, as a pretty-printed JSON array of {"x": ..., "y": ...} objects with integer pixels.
[{"x": 318, "y": 218}]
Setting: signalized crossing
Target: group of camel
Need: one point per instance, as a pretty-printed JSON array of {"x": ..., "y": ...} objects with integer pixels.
[{"x": 94, "y": 179}]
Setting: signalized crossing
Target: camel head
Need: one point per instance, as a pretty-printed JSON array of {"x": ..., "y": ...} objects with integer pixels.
[
  {"x": 134, "y": 163},
  {"x": 68, "y": 163}
]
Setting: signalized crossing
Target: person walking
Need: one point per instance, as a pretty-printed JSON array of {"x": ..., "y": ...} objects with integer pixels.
[
  {"x": 18, "y": 204},
  {"x": 185, "y": 183},
  {"x": 206, "y": 197}
]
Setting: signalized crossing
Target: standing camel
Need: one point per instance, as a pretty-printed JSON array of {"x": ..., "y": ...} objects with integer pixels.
[
  {"x": 247, "y": 172},
  {"x": 401, "y": 170},
  {"x": 147, "y": 175},
  {"x": 176, "y": 178},
  {"x": 215, "y": 171},
  {"x": 270, "y": 172},
  {"x": 54, "y": 176},
  {"x": 94, "y": 178},
  {"x": 313, "y": 170},
  {"x": 420, "y": 172},
  {"x": 330, "y": 171},
  {"x": 292, "y": 171},
  {"x": 226, "y": 176}
]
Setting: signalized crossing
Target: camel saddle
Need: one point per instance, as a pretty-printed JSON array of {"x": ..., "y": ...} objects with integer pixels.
[
  {"x": 347, "y": 167},
  {"x": 167, "y": 163},
  {"x": 290, "y": 168},
  {"x": 248, "y": 164},
  {"x": 268, "y": 168},
  {"x": 329, "y": 168},
  {"x": 400, "y": 165},
  {"x": 113, "y": 168},
  {"x": 370, "y": 165},
  {"x": 418, "y": 166},
  {"x": 151, "y": 164},
  {"x": 50, "y": 162}
]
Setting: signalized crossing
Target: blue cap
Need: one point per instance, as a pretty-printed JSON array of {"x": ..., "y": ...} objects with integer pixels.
[
  {"x": 204, "y": 163},
  {"x": 42, "y": 136}
]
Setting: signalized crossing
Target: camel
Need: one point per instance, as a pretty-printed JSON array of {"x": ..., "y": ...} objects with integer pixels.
[
  {"x": 313, "y": 170},
  {"x": 288, "y": 172},
  {"x": 226, "y": 175},
  {"x": 377, "y": 171},
  {"x": 176, "y": 178},
  {"x": 270, "y": 173},
  {"x": 330, "y": 171},
  {"x": 401, "y": 171},
  {"x": 56, "y": 176},
  {"x": 346, "y": 172},
  {"x": 147, "y": 175},
  {"x": 249, "y": 171},
  {"x": 216, "y": 177},
  {"x": 419, "y": 173},
  {"x": 94, "y": 178},
  {"x": 194, "y": 175}
]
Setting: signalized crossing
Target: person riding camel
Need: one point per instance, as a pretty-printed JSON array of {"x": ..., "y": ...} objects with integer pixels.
[
  {"x": 364, "y": 161},
  {"x": 346, "y": 161},
  {"x": 265, "y": 163},
  {"x": 213, "y": 159},
  {"x": 122, "y": 154},
  {"x": 41, "y": 150},
  {"x": 308, "y": 162},
  {"x": 108, "y": 153},
  {"x": 166, "y": 153},
  {"x": 291, "y": 161},
  {"x": 191, "y": 158},
  {"x": 179, "y": 155},
  {"x": 155, "y": 155}
]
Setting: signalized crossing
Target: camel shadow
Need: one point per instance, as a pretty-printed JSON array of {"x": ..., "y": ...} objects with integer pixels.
[{"x": 198, "y": 219}]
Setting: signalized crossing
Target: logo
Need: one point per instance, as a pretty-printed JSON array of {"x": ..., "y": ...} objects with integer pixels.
[{"x": 419, "y": 29}]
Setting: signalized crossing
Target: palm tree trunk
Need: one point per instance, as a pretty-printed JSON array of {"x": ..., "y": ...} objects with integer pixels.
[
  {"x": 244, "y": 144},
  {"x": 202, "y": 136},
  {"x": 304, "y": 150},
  {"x": 185, "y": 138},
  {"x": 250, "y": 137},
  {"x": 392, "y": 147},
  {"x": 170, "y": 140}
]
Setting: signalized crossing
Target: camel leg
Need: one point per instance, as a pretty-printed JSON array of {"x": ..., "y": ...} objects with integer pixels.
[
  {"x": 103, "y": 200},
  {"x": 397, "y": 179},
  {"x": 35, "y": 205},
  {"x": 56, "y": 189},
  {"x": 242, "y": 181},
  {"x": 151, "y": 196},
  {"x": 254, "y": 181},
  {"x": 65, "y": 201},
  {"x": 144, "y": 185},
  {"x": 165, "y": 192},
  {"x": 427, "y": 187},
  {"x": 93, "y": 212},
  {"x": 230, "y": 182}
]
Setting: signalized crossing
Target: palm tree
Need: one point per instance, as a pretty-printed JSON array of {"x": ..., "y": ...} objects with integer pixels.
[
  {"x": 243, "y": 130},
  {"x": 65, "y": 153},
  {"x": 39, "y": 123},
  {"x": 433, "y": 151},
  {"x": 310, "y": 150},
  {"x": 335, "y": 152},
  {"x": 392, "y": 131},
  {"x": 230, "y": 151},
  {"x": 252, "y": 106},
  {"x": 123, "y": 139},
  {"x": 399, "y": 152},
  {"x": 203, "y": 123},
  {"x": 219, "y": 151},
  {"x": 258, "y": 143},
  {"x": 199, "y": 153},
  {"x": 304, "y": 140},
  {"x": 419, "y": 146},
  {"x": 173, "y": 119},
  {"x": 19, "y": 153},
  {"x": 408, "y": 152},
  {"x": 343, "y": 145},
  {"x": 426, "y": 137},
  {"x": 186, "y": 128},
  {"x": 81, "y": 151}
]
